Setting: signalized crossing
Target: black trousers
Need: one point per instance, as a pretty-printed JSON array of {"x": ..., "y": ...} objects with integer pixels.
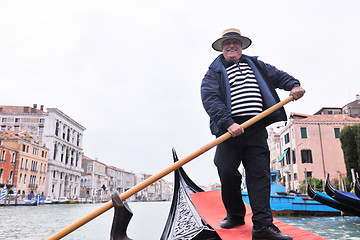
[{"x": 252, "y": 150}]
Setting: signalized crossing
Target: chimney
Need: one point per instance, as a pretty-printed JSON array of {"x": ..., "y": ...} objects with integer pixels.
[
  {"x": 35, "y": 105},
  {"x": 42, "y": 107},
  {"x": 26, "y": 109},
  {"x": 1, "y": 109},
  {"x": 357, "y": 97}
]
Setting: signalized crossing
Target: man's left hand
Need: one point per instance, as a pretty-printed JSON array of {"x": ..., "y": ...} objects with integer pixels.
[{"x": 297, "y": 92}]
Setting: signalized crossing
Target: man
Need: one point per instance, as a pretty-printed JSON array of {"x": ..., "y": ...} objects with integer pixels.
[{"x": 236, "y": 88}]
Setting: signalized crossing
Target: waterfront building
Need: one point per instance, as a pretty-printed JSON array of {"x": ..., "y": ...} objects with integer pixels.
[
  {"x": 310, "y": 147},
  {"x": 160, "y": 190},
  {"x": 94, "y": 181},
  {"x": 119, "y": 179},
  {"x": 23, "y": 165},
  {"x": 61, "y": 134}
]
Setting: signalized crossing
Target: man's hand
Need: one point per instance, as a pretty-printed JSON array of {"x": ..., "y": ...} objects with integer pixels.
[
  {"x": 297, "y": 92},
  {"x": 235, "y": 130}
]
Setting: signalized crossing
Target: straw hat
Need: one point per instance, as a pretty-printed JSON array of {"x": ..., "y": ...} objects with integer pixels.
[{"x": 231, "y": 33}]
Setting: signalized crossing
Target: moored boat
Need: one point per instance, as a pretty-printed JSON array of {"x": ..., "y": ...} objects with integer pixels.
[
  {"x": 293, "y": 204},
  {"x": 347, "y": 198},
  {"x": 325, "y": 199},
  {"x": 357, "y": 188},
  {"x": 63, "y": 200}
]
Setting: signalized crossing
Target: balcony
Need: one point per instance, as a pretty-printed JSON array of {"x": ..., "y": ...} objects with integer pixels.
[{"x": 33, "y": 186}]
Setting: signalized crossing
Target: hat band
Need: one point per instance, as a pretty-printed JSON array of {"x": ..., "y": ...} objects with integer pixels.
[{"x": 231, "y": 34}]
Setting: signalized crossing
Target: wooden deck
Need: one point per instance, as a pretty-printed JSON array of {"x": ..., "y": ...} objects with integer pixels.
[{"x": 211, "y": 209}]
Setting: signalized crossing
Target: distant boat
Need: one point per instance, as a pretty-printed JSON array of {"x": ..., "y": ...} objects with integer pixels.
[
  {"x": 293, "y": 204},
  {"x": 49, "y": 200},
  {"x": 347, "y": 198},
  {"x": 63, "y": 200},
  {"x": 327, "y": 200}
]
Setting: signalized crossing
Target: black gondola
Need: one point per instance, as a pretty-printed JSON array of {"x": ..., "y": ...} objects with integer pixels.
[
  {"x": 326, "y": 200},
  {"x": 347, "y": 198},
  {"x": 184, "y": 222},
  {"x": 357, "y": 188}
]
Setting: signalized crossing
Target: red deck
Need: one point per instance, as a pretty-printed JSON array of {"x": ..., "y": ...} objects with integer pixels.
[{"x": 211, "y": 209}]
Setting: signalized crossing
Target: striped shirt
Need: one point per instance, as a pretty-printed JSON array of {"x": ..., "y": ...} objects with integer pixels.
[{"x": 245, "y": 92}]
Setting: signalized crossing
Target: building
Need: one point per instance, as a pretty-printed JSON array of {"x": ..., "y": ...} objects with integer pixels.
[
  {"x": 8, "y": 158},
  {"x": 310, "y": 147},
  {"x": 61, "y": 134},
  {"x": 26, "y": 164},
  {"x": 94, "y": 181},
  {"x": 352, "y": 109},
  {"x": 119, "y": 179},
  {"x": 159, "y": 190}
]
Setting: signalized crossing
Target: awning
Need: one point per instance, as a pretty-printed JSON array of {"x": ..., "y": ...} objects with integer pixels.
[{"x": 283, "y": 155}]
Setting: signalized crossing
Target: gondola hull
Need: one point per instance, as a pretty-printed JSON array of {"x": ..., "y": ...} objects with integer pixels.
[
  {"x": 325, "y": 199},
  {"x": 347, "y": 198}
]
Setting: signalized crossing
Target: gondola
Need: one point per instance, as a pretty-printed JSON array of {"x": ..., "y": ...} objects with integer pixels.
[
  {"x": 283, "y": 203},
  {"x": 347, "y": 198},
  {"x": 326, "y": 200},
  {"x": 184, "y": 222},
  {"x": 357, "y": 187}
]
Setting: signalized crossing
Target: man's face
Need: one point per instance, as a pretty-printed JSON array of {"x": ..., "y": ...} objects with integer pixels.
[{"x": 232, "y": 50}]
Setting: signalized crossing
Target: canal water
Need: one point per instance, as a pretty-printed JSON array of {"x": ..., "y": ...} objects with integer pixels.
[{"x": 147, "y": 223}]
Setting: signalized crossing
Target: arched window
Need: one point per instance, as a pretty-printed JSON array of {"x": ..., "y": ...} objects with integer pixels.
[
  {"x": 13, "y": 158},
  {"x": 57, "y": 129},
  {"x": 11, "y": 176},
  {"x": 3, "y": 156}
]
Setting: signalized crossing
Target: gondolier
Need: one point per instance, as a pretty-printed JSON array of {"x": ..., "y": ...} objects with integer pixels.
[{"x": 235, "y": 88}]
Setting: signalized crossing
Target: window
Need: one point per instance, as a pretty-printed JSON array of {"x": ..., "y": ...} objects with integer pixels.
[
  {"x": 4, "y": 120},
  {"x": 308, "y": 175},
  {"x": 41, "y": 130},
  {"x": 294, "y": 157},
  {"x": 306, "y": 156},
  {"x": 295, "y": 176},
  {"x": 57, "y": 129},
  {"x": 288, "y": 157},
  {"x": 303, "y": 132},
  {"x": 286, "y": 138},
  {"x": 13, "y": 158},
  {"x": 3, "y": 154},
  {"x": 16, "y": 128},
  {"x": 17, "y": 120},
  {"x": 3, "y": 128},
  {"x": 42, "y": 120},
  {"x": 337, "y": 132}
]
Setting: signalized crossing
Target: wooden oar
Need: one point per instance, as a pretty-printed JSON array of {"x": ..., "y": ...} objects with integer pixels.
[{"x": 65, "y": 231}]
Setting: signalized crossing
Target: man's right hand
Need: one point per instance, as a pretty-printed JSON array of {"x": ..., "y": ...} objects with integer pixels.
[{"x": 235, "y": 130}]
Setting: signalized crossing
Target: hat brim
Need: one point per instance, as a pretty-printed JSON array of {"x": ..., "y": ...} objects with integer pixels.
[{"x": 217, "y": 45}]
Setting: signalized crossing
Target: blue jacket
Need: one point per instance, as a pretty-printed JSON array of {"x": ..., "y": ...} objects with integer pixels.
[{"x": 215, "y": 92}]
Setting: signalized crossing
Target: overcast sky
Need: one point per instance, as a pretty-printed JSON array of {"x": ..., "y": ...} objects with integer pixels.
[{"x": 130, "y": 71}]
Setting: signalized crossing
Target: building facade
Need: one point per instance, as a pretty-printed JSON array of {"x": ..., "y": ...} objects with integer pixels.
[
  {"x": 119, "y": 179},
  {"x": 61, "y": 134},
  {"x": 352, "y": 109},
  {"x": 310, "y": 147},
  {"x": 94, "y": 180},
  {"x": 27, "y": 164}
]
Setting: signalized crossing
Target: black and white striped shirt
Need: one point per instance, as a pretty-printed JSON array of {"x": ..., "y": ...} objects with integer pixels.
[{"x": 245, "y": 92}]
